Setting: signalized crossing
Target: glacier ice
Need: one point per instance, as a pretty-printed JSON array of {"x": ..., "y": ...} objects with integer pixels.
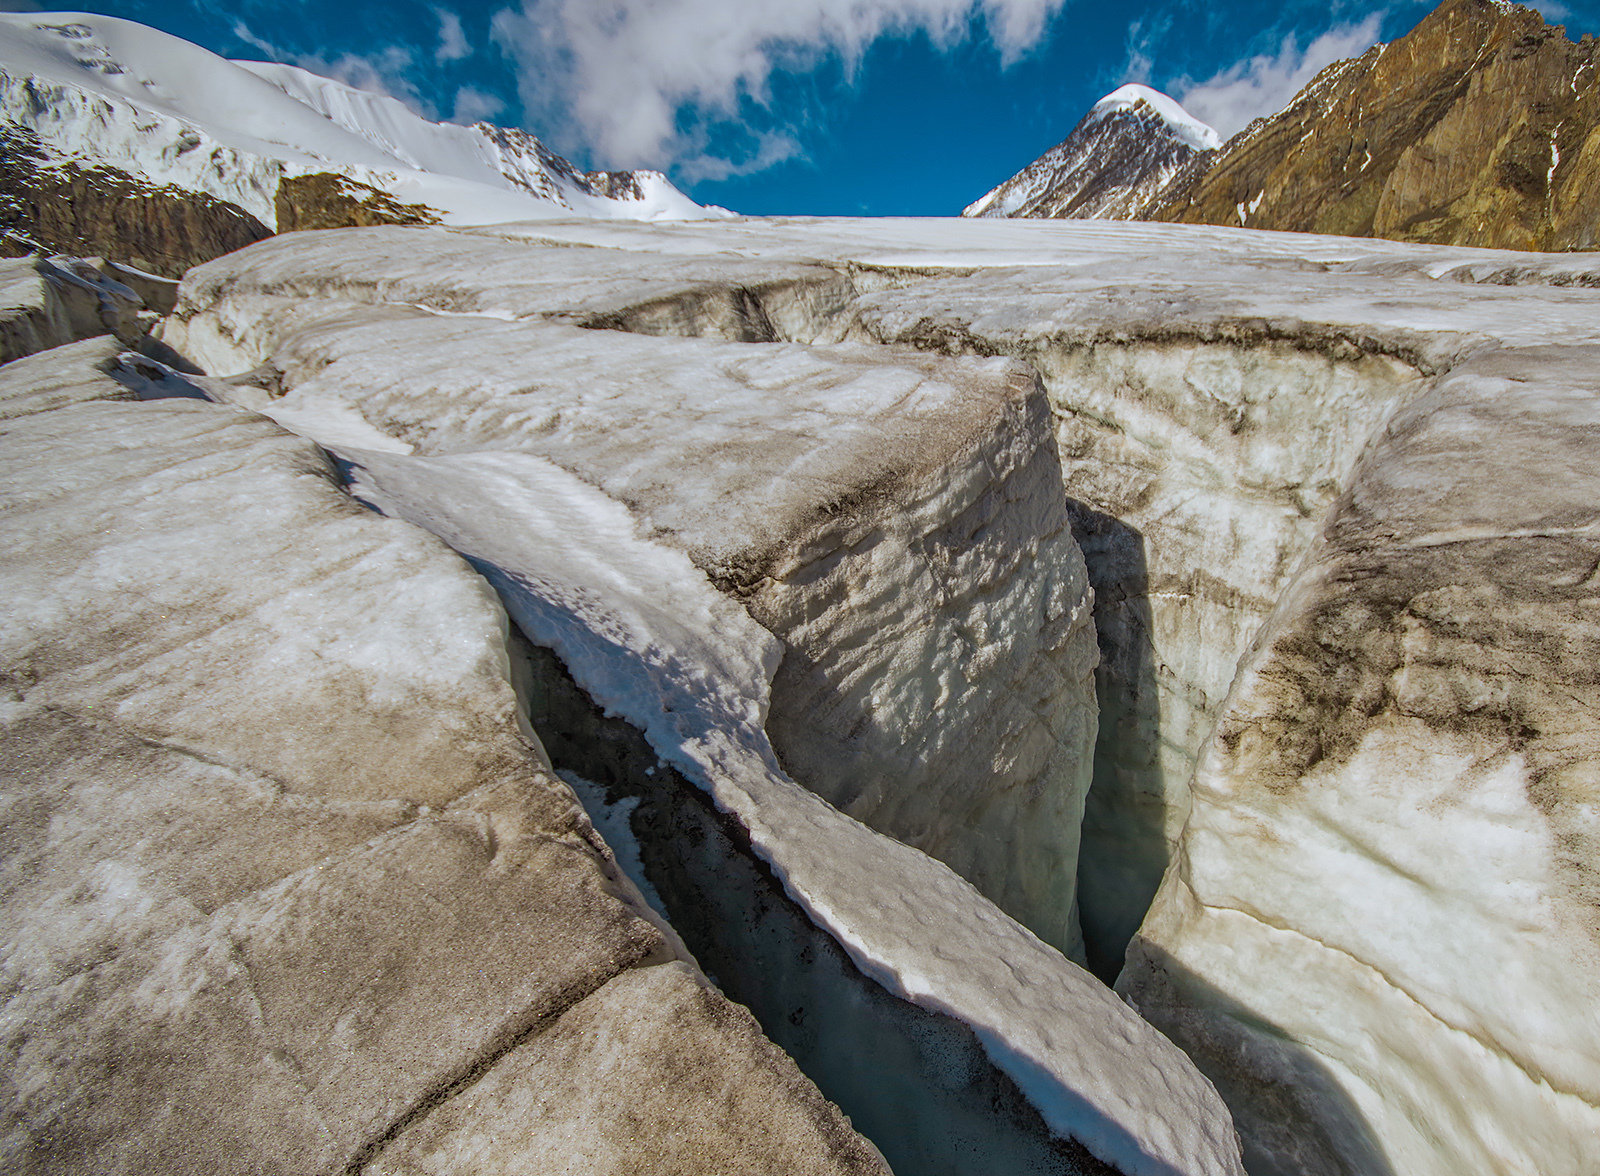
[
  {"x": 1373, "y": 931},
  {"x": 1267, "y": 387},
  {"x": 285, "y": 881},
  {"x": 572, "y": 465}
]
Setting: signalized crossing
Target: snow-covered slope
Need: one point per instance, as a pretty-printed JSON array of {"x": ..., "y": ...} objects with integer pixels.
[
  {"x": 1123, "y": 152},
  {"x": 101, "y": 91}
]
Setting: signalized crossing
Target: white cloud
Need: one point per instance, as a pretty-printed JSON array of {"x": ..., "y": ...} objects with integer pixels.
[
  {"x": 473, "y": 105},
  {"x": 1264, "y": 84},
  {"x": 1143, "y": 38},
  {"x": 384, "y": 72},
  {"x": 452, "y": 38},
  {"x": 1552, "y": 10},
  {"x": 642, "y": 82}
]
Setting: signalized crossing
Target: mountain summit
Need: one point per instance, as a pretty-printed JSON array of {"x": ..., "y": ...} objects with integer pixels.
[
  {"x": 1479, "y": 127},
  {"x": 1114, "y": 163}
]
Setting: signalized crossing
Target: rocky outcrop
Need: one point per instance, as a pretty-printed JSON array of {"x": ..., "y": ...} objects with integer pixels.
[
  {"x": 322, "y": 200},
  {"x": 284, "y": 883},
  {"x": 98, "y": 211},
  {"x": 530, "y": 165},
  {"x": 1476, "y": 128}
]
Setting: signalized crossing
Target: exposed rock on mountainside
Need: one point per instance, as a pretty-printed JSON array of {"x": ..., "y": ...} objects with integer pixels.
[
  {"x": 1115, "y": 162},
  {"x": 1476, "y": 128},
  {"x": 326, "y": 201},
  {"x": 99, "y": 211}
]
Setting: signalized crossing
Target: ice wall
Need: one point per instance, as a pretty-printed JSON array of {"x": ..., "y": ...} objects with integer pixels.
[
  {"x": 286, "y": 888},
  {"x": 898, "y": 524},
  {"x": 917, "y": 1083},
  {"x": 1198, "y": 472},
  {"x": 1380, "y": 937},
  {"x": 649, "y": 638}
]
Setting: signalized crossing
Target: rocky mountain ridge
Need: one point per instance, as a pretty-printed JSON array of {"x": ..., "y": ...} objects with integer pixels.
[{"x": 1479, "y": 127}]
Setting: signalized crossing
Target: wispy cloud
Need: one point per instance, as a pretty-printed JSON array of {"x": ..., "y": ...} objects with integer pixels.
[
  {"x": 473, "y": 105},
  {"x": 1551, "y": 10},
  {"x": 385, "y": 71},
  {"x": 1144, "y": 38},
  {"x": 1264, "y": 84},
  {"x": 453, "y": 44},
  {"x": 644, "y": 82}
]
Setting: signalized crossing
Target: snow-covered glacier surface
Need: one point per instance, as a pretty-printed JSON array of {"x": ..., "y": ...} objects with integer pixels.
[{"x": 288, "y": 882}]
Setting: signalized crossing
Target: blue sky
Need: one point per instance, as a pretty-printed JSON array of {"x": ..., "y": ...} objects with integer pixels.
[{"x": 860, "y": 107}]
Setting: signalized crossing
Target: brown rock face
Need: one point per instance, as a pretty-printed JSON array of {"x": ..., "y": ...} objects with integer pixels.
[
  {"x": 1476, "y": 128},
  {"x": 327, "y": 201},
  {"x": 102, "y": 212}
]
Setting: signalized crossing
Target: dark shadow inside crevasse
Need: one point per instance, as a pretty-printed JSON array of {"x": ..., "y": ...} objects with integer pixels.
[
  {"x": 1124, "y": 851},
  {"x": 1293, "y": 1116},
  {"x": 918, "y": 1084}
]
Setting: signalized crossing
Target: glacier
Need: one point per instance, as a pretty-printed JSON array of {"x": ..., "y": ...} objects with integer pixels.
[
  {"x": 979, "y": 594},
  {"x": 255, "y": 732},
  {"x": 570, "y": 464}
]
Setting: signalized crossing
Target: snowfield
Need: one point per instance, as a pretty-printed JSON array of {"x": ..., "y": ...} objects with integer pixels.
[{"x": 99, "y": 90}]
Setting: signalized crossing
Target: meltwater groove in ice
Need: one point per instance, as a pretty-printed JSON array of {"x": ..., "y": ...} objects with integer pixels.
[{"x": 650, "y": 639}]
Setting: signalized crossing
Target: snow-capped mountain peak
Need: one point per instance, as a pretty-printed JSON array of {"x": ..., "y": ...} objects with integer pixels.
[
  {"x": 1181, "y": 123},
  {"x": 1120, "y": 154}
]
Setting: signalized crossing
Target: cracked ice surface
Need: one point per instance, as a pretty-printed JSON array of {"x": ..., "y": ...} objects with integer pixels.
[
  {"x": 281, "y": 872},
  {"x": 600, "y": 477},
  {"x": 577, "y": 578},
  {"x": 1221, "y": 395},
  {"x": 1417, "y": 721}
]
